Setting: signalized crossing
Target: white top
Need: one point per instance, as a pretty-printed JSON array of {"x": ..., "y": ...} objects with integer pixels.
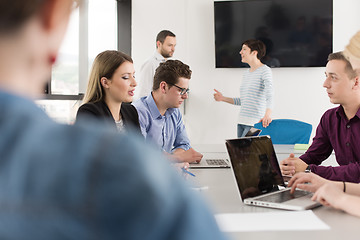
[
  {"x": 146, "y": 74},
  {"x": 256, "y": 95}
]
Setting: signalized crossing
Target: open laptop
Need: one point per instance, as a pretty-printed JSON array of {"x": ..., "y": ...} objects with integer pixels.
[
  {"x": 258, "y": 176},
  {"x": 221, "y": 162},
  {"x": 212, "y": 163}
]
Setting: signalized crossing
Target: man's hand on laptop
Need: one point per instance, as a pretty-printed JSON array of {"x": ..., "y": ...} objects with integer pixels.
[
  {"x": 189, "y": 156},
  {"x": 292, "y": 165}
]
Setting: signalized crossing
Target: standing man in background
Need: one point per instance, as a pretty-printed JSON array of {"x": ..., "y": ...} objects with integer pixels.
[{"x": 165, "y": 48}]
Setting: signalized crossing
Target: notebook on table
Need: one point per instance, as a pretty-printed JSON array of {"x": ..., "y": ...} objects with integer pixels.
[{"x": 258, "y": 176}]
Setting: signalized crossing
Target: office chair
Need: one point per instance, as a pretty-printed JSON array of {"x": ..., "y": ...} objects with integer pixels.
[{"x": 287, "y": 131}]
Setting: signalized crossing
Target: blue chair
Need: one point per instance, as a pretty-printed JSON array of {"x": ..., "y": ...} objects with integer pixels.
[{"x": 287, "y": 131}]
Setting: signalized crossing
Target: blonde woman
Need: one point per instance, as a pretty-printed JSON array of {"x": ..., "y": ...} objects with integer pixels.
[
  {"x": 110, "y": 89},
  {"x": 352, "y": 51}
]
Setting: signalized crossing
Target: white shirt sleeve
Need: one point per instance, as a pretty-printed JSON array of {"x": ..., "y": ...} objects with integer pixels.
[{"x": 146, "y": 76}]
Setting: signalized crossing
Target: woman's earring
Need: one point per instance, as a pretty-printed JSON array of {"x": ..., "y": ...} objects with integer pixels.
[{"x": 52, "y": 59}]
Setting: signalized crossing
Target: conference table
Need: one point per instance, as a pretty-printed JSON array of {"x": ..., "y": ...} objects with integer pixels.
[{"x": 219, "y": 189}]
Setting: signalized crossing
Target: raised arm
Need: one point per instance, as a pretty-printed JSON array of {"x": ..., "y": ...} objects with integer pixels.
[{"x": 220, "y": 98}]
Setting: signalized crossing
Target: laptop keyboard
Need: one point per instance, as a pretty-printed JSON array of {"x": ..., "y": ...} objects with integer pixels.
[
  {"x": 284, "y": 196},
  {"x": 216, "y": 162}
]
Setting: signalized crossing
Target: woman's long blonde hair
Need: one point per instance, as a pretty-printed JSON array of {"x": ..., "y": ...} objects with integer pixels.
[
  {"x": 104, "y": 65},
  {"x": 353, "y": 48}
]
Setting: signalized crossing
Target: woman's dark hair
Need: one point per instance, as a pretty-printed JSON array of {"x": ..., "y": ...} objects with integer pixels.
[
  {"x": 163, "y": 34},
  {"x": 256, "y": 45}
]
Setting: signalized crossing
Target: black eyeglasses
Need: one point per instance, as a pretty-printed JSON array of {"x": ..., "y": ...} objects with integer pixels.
[{"x": 182, "y": 90}]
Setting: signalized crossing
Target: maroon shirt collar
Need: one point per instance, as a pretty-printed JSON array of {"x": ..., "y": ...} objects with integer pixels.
[{"x": 340, "y": 113}]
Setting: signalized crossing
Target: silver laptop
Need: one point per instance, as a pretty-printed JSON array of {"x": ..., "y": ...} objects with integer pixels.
[
  {"x": 258, "y": 176},
  {"x": 211, "y": 163},
  {"x": 221, "y": 162}
]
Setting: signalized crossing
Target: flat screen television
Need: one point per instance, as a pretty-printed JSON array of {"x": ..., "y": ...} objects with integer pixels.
[{"x": 297, "y": 33}]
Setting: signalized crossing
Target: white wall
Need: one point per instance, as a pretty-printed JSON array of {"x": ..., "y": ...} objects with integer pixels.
[{"x": 298, "y": 91}]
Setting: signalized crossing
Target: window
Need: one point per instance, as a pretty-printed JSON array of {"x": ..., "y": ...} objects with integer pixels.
[
  {"x": 62, "y": 111},
  {"x": 102, "y": 27},
  {"x": 92, "y": 29},
  {"x": 65, "y": 73}
]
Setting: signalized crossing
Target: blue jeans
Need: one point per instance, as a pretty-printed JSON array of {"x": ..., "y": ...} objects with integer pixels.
[{"x": 242, "y": 130}]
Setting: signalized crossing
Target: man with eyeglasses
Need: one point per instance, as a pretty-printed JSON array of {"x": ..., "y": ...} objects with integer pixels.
[{"x": 159, "y": 115}]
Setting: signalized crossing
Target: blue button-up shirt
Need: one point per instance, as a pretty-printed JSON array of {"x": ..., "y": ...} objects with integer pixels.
[
  {"x": 167, "y": 132},
  {"x": 336, "y": 132}
]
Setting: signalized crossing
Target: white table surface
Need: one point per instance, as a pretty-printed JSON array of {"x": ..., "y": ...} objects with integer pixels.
[
  {"x": 222, "y": 194},
  {"x": 282, "y": 152}
]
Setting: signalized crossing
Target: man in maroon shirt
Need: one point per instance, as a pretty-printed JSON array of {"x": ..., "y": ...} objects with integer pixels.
[{"x": 338, "y": 130}]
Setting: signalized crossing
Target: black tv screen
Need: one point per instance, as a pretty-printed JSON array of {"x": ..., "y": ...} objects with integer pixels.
[{"x": 297, "y": 33}]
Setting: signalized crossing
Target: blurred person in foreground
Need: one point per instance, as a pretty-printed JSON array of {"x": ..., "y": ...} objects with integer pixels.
[{"x": 83, "y": 181}]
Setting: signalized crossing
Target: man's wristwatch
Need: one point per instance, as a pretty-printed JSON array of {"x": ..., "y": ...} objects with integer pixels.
[{"x": 308, "y": 169}]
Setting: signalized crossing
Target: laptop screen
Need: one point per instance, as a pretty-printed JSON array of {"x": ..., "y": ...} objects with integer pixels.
[{"x": 255, "y": 165}]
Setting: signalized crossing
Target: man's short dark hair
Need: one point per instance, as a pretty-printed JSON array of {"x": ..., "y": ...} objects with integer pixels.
[
  {"x": 256, "y": 45},
  {"x": 170, "y": 72},
  {"x": 348, "y": 68},
  {"x": 163, "y": 34}
]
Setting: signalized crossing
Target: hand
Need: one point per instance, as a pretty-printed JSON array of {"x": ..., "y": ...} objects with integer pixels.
[
  {"x": 187, "y": 156},
  {"x": 292, "y": 165},
  {"x": 329, "y": 195},
  {"x": 218, "y": 96},
  {"x": 307, "y": 181},
  {"x": 266, "y": 120},
  {"x": 179, "y": 166}
]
